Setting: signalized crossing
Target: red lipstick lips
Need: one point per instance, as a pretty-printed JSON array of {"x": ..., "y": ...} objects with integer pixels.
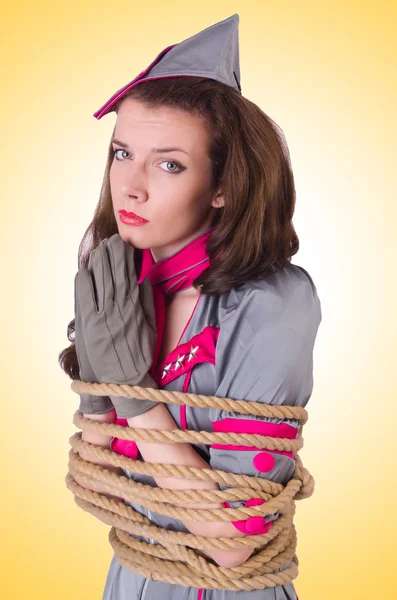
[{"x": 130, "y": 218}]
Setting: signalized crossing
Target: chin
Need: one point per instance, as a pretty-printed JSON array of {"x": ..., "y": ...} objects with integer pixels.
[{"x": 132, "y": 240}]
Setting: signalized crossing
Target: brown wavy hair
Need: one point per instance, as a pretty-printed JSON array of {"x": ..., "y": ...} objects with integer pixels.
[{"x": 254, "y": 235}]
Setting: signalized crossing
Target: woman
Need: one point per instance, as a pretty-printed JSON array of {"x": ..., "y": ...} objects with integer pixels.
[{"x": 242, "y": 326}]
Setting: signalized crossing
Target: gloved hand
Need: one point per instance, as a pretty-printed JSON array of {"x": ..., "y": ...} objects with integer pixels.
[
  {"x": 118, "y": 321},
  {"x": 89, "y": 404}
]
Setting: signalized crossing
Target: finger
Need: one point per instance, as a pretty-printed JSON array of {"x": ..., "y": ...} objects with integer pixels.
[
  {"x": 146, "y": 298},
  {"x": 106, "y": 284},
  {"x": 117, "y": 255},
  {"x": 86, "y": 294},
  {"x": 77, "y": 321},
  {"x": 130, "y": 267},
  {"x": 85, "y": 370},
  {"x": 77, "y": 318},
  {"x": 91, "y": 271}
]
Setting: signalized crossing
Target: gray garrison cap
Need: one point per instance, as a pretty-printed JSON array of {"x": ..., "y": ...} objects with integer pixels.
[{"x": 212, "y": 53}]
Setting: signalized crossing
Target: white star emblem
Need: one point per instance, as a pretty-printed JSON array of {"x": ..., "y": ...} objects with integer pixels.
[
  {"x": 178, "y": 361},
  {"x": 192, "y": 353},
  {"x": 166, "y": 370}
]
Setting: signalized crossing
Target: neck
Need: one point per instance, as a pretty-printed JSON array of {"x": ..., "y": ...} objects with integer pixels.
[
  {"x": 177, "y": 272},
  {"x": 164, "y": 253}
]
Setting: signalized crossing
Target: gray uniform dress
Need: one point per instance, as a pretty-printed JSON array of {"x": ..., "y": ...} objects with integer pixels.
[{"x": 256, "y": 343}]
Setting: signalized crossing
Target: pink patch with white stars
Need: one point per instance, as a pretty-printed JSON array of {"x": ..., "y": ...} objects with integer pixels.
[{"x": 199, "y": 349}]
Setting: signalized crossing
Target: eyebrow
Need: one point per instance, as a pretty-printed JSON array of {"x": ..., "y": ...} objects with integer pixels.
[{"x": 158, "y": 150}]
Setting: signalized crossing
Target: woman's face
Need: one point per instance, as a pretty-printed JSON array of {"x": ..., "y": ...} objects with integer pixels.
[{"x": 169, "y": 188}]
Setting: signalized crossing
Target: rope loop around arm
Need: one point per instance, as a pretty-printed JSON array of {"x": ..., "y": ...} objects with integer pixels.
[{"x": 177, "y": 557}]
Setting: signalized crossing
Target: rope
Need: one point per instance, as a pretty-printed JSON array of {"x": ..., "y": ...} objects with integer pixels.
[{"x": 179, "y": 557}]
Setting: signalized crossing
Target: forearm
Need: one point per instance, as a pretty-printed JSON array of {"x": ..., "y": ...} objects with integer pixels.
[
  {"x": 184, "y": 454},
  {"x": 104, "y": 442}
]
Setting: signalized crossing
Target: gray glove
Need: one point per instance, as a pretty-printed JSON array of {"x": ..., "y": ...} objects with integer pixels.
[
  {"x": 92, "y": 405},
  {"x": 118, "y": 321}
]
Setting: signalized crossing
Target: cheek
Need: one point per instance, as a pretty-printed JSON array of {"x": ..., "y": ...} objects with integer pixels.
[
  {"x": 178, "y": 209},
  {"x": 114, "y": 175},
  {"x": 113, "y": 189}
]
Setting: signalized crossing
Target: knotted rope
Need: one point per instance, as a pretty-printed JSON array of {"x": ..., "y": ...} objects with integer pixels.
[{"x": 178, "y": 557}]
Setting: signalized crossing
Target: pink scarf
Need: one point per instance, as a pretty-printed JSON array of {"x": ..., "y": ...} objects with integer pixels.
[{"x": 171, "y": 275}]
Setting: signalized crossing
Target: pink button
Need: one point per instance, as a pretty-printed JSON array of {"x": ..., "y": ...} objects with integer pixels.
[
  {"x": 263, "y": 462},
  {"x": 255, "y": 525}
]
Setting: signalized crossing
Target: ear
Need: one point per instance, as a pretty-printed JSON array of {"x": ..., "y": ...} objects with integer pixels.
[{"x": 219, "y": 200}]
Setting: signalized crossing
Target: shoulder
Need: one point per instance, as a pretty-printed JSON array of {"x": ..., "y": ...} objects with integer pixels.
[
  {"x": 284, "y": 301},
  {"x": 267, "y": 334},
  {"x": 291, "y": 288}
]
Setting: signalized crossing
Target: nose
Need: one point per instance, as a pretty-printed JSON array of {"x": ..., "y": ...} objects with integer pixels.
[{"x": 133, "y": 183}]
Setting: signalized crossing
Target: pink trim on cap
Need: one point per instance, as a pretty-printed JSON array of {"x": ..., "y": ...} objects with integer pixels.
[{"x": 122, "y": 92}]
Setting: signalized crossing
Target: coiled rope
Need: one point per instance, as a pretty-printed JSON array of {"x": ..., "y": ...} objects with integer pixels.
[{"x": 178, "y": 557}]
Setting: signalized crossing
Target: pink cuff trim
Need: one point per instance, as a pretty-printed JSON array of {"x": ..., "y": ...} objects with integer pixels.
[
  {"x": 282, "y": 430},
  {"x": 265, "y": 428},
  {"x": 124, "y": 447},
  {"x": 244, "y": 448}
]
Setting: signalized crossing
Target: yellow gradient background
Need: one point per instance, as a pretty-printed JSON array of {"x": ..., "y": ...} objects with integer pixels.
[{"x": 325, "y": 72}]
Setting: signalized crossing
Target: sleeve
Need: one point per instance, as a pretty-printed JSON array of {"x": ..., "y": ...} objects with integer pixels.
[
  {"x": 265, "y": 354},
  {"x": 95, "y": 405}
]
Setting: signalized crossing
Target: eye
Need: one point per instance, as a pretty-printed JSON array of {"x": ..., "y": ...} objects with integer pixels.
[
  {"x": 177, "y": 164},
  {"x": 178, "y": 168},
  {"x": 119, "y": 150}
]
